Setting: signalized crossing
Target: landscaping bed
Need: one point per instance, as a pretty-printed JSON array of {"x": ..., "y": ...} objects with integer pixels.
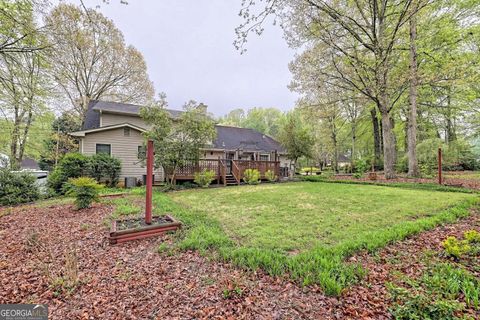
[
  {"x": 80, "y": 276},
  {"x": 465, "y": 179}
]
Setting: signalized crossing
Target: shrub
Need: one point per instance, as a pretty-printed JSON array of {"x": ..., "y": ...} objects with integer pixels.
[
  {"x": 361, "y": 166},
  {"x": 85, "y": 191},
  {"x": 270, "y": 175},
  {"x": 455, "y": 248},
  {"x": 17, "y": 187},
  {"x": 104, "y": 167},
  {"x": 204, "y": 178},
  {"x": 472, "y": 236},
  {"x": 251, "y": 176},
  {"x": 72, "y": 165}
]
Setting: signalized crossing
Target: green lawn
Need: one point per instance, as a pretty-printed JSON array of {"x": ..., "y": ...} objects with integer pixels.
[
  {"x": 306, "y": 229},
  {"x": 299, "y": 216}
]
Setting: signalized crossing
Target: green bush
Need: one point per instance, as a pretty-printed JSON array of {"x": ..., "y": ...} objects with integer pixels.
[
  {"x": 204, "y": 178},
  {"x": 84, "y": 189},
  {"x": 17, "y": 187},
  {"x": 270, "y": 175},
  {"x": 456, "y": 248},
  {"x": 472, "y": 236},
  {"x": 251, "y": 176},
  {"x": 103, "y": 167},
  {"x": 72, "y": 165}
]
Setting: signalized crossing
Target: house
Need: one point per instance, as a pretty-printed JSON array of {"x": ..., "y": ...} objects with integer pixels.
[{"x": 117, "y": 128}]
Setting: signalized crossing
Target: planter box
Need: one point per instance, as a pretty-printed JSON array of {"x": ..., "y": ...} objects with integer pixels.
[{"x": 133, "y": 229}]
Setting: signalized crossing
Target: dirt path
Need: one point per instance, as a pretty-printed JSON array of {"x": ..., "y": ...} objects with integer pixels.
[{"x": 39, "y": 246}]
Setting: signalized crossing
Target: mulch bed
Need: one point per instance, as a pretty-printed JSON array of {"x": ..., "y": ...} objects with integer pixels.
[
  {"x": 456, "y": 182},
  {"x": 133, "y": 281}
]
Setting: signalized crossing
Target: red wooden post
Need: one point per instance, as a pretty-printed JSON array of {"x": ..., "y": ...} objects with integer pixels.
[
  {"x": 148, "y": 204},
  {"x": 439, "y": 165}
]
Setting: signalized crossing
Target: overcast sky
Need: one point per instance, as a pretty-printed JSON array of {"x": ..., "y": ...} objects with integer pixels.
[{"x": 189, "y": 52}]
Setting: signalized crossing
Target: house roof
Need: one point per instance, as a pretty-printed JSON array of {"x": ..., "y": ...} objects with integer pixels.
[
  {"x": 92, "y": 118},
  {"x": 82, "y": 133},
  {"x": 228, "y": 137},
  {"x": 233, "y": 138}
]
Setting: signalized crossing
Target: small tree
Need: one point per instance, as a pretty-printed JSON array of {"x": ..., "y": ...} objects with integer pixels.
[
  {"x": 296, "y": 137},
  {"x": 85, "y": 191},
  {"x": 179, "y": 143}
]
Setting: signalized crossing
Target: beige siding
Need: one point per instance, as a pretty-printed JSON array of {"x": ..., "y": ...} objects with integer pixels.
[
  {"x": 122, "y": 147},
  {"x": 212, "y": 154},
  {"x": 109, "y": 119}
]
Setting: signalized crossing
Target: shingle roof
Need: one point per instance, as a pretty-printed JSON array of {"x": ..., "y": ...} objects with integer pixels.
[
  {"x": 229, "y": 138},
  {"x": 92, "y": 119},
  {"x": 233, "y": 138}
]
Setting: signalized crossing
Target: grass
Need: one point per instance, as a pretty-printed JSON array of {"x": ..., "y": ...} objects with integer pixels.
[{"x": 306, "y": 230}]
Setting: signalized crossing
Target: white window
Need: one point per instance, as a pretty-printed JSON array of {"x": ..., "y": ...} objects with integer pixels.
[
  {"x": 264, "y": 157},
  {"x": 103, "y": 148}
]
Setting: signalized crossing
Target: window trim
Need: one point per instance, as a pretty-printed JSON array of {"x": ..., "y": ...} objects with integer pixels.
[
  {"x": 139, "y": 151},
  {"x": 103, "y": 144},
  {"x": 264, "y": 154}
]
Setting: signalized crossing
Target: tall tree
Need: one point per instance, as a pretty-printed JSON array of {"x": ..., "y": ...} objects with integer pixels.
[
  {"x": 413, "y": 170},
  {"x": 359, "y": 40},
  {"x": 296, "y": 137},
  {"x": 90, "y": 60}
]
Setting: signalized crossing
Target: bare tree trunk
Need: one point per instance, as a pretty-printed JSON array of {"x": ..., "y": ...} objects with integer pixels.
[
  {"x": 376, "y": 135},
  {"x": 389, "y": 152},
  {"x": 412, "y": 112}
]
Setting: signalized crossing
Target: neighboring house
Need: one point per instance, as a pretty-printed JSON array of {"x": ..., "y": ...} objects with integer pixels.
[
  {"x": 117, "y": 128},
  {"x": 29, "y": 163}
]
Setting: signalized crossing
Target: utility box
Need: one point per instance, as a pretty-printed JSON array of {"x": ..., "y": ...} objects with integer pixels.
[{"x": 130, "y": 182}]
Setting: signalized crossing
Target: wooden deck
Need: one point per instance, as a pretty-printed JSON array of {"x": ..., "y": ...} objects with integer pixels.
[{"x": 226, "y": 170}]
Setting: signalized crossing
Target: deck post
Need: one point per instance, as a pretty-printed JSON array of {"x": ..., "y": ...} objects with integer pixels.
[
  {"x": 148, "y": 203},
  {"x": 218, "y": 171}
]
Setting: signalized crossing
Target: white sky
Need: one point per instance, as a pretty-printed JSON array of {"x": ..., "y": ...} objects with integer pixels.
[{"x": 188, "y": 46}]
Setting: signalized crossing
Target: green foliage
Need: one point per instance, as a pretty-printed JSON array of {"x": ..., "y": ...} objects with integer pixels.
[
  {"x": 204, "y": 178},
  {"x": 251, "y": 176},
  {"x": 361, "y": 166},
  {"x": 59, "y": 134},
  {"x": 264, "y": 120},
  {"x": 179, "y": 144},
  {"x": 443, "y": 290},
  {"x": 270, "y": 176},
  {"x": 472, "y": 236},
  {"x": 72, "y": 165},
  {"x": 17, "y": 187},
  {"x": 103, "y": 167},
  {"x": 295, "y": 136},
  {"x": 456, "y": 248},
  {"x": 84, "y": 189}
]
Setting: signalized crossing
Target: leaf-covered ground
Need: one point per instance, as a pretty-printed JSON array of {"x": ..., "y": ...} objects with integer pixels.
[{"x": 44, "y": 250}]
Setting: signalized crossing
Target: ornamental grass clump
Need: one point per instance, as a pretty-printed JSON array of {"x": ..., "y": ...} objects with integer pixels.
[
  {"x": 251, "y": 176},
  {"x": 270, "y": 175},
  {"x": 204, "y": 178},
  {"x": 84, "y": 189}
]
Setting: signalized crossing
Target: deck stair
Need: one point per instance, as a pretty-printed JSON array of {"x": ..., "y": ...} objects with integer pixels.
[{"x": 230, "y": 179}]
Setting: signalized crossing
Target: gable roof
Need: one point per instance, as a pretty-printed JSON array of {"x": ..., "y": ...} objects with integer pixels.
[
  {"x": 92, "y": 118},
  {"x": 228, "y": 137},
  {"x": 82, "y": 133},
  {"x": 233, "y": 138}
]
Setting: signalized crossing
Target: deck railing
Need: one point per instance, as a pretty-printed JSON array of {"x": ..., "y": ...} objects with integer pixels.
[
  {"x": 261, "y": 166},
  {"x": 219, "y": 166}
]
